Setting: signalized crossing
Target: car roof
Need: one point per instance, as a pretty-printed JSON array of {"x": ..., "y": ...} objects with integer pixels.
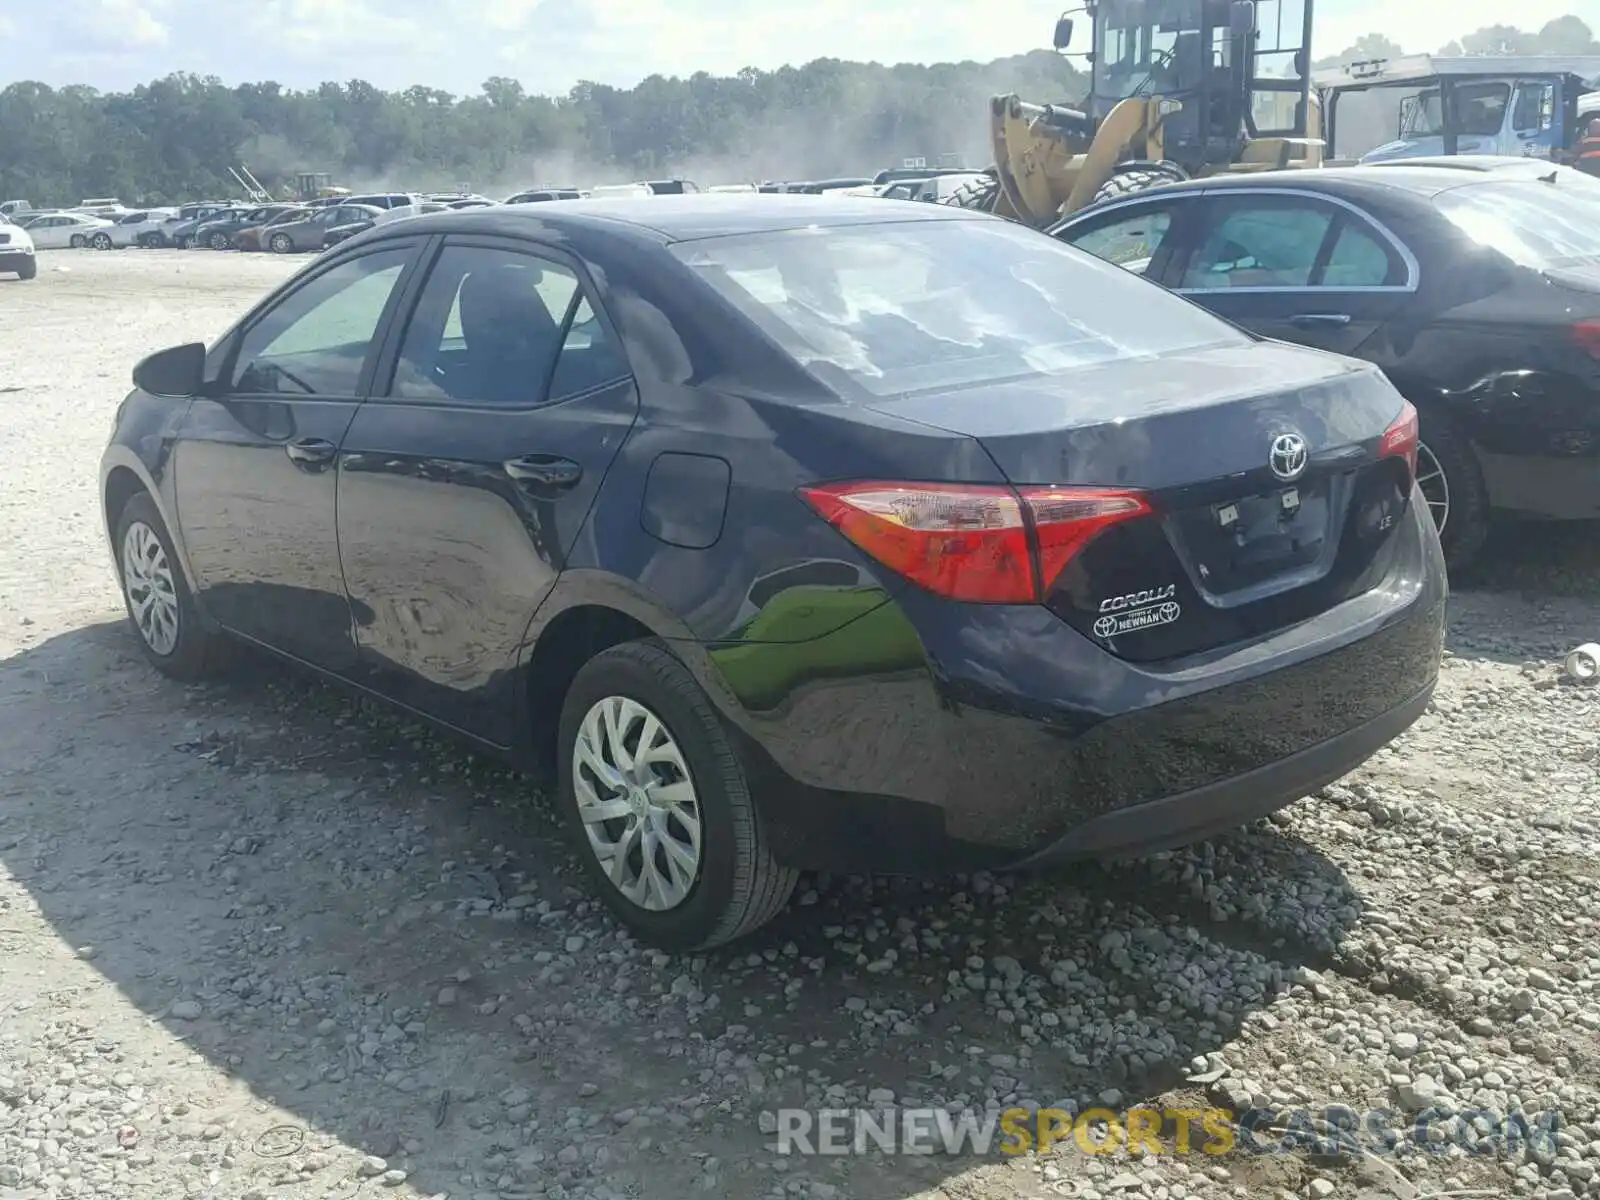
[
  {"x": 680, "y": 218},
  {"x": 1425, "y": 180}
]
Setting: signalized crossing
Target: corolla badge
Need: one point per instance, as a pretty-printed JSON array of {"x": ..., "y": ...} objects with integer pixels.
[{"x": 1288, "y": 457}]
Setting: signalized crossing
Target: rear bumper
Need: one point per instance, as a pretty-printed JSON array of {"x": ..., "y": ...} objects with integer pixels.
[
  {"x": 1009, "y": 739},
  {"x": 1195, "y": 815}
]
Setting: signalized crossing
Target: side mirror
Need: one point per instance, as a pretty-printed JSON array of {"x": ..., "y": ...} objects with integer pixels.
[
  {"x": 1242, "y": 18},
  {"x": 1063, "y": 37},
  {"x": 178, "y": 371}
]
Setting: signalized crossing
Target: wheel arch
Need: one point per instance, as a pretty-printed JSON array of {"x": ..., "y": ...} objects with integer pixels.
[
  {"x": 122, "y": 477},
  {"x": 586, "y": 612}
]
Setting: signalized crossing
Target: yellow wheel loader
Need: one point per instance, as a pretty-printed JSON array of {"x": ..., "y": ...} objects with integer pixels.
[{"x": 1179, "y": 89}]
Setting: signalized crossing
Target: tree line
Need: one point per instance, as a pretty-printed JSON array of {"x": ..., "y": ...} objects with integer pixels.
[{"x": 175, "y": 138}]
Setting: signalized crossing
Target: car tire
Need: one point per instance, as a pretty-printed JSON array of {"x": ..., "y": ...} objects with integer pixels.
[
  {"x": 28, "y": 270},
  {"x": 281, "y": 243},
  {"x": 979, "y": 195},
  {"x": 77, "y": 241},
  {"x": 1137, "y": 179},
  {"x": 735, "y": 885},
  {"x": 180, "y": 243},
  {"x": 160, "y": 606},
  {"x": 219, "y": 241},
  {"x": 101, "y": 241},
  {"x": 1451, "y": 479}
]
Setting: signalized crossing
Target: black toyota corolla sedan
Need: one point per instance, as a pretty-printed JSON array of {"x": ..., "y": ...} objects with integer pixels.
[
  {"x": 1473, "y": 283},
  {"x": 799, "y": 535}
]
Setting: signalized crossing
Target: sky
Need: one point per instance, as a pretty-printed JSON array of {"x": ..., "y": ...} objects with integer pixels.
[{"x": 551, "y": 44}]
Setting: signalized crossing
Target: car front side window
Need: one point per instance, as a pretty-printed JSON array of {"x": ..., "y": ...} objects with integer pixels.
[{"x": 315, "y": 342}]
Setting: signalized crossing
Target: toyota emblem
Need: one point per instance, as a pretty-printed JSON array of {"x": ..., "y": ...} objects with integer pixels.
[{"x": 1288, "y": 457}]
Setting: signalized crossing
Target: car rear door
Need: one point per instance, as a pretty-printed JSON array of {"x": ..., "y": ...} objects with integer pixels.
[
  {"x": 1295, "y": 266},
  {"x": 465, "y": 480},
  {"x": 255, "y": 456}
]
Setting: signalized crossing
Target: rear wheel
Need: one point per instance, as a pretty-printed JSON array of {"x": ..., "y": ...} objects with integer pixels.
[
  {"x": 158, "y": 599},
  {"x": 101, "y": 241},
  {"x": 979, "y": 194},
  {"x": 77, "y": 241},
  {"x": 219, "y": 241},
  {"x": 28, "y": 269},
  {"x": 180, "y": 243},
  {"x": 1451, "y": 481},
  {"x": 281, "y": 243},
  {"x": 1129, "y": 180},
  {"x": 655, "y": 799}
]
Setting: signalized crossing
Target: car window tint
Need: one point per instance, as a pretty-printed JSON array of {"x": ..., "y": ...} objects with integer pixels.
[
  {"x": 1129, "y": 242},
  {"x": 1358, "y": 260},
  {"x": 589, "y": 355},
  {"x": 913, "y": 304},
  {"x": 1260, "y": 245},
  {"x": 315, "y": 342},
  {"x": 487, "y": 328}
]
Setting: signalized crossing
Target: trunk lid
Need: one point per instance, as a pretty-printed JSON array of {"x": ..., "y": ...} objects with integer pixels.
[{"x": 1235, "y": 549}]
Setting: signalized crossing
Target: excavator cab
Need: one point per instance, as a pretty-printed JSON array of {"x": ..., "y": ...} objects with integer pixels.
[{"x": 1178, "y": 89}]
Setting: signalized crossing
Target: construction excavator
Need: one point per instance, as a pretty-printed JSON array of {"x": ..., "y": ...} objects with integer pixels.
[{"x": 1178, "y": 89}]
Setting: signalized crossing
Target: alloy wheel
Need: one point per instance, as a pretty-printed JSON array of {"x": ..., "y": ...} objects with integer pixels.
[
  {"x": 77, "y": 242},
  {"x": 102, "y": 241},
  {"x": 282, "y": 243},
  {"x": 219, "y": 241},
  {"x": 637, "y": 803},
  {"x": 152, "y": 595},
  {"x": 1435, "y": 486}
]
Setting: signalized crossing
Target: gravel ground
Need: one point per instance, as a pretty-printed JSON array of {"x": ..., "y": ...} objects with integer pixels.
[{"x": 258, "y": 940}]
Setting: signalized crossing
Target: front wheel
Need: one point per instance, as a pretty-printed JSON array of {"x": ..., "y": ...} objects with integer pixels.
[
  {"x": 281, "y": 243},
  {"x": 158, "y": 599},
  {"x": 28, "y": 269},
  {"x": 656, "y": 801},
  {"x": 219, "y": 241},
  {"x": 1131, "y": 179},
  {"x": 101, "y": 241},
  {"x": 180, "y": 243},
  {"x": 77, "y": 241}
]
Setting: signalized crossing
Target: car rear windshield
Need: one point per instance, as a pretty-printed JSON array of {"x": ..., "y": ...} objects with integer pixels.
[
  {"x": 906, "y": 306},
  {"x": 1532, "y": 223}
]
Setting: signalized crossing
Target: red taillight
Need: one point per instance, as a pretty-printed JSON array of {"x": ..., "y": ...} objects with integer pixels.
[
  {"x": 1400, "y": 439},
  {"x": 980, "y": 543},
  {"x": 1587, "y": 335}
]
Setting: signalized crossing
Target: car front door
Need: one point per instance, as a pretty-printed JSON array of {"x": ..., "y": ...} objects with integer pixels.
[
  {"x": 255, "y": 459},
  {"x": 1294, "y": 266},
  {"x": 1533, "y": 119},
  {"x": 464, "y": 484}
]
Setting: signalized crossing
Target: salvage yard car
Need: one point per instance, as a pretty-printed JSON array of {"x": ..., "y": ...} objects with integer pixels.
[
  {"x": 309, "y": 228},
  {"x": 824, "y": 534},
  {"x": 16, "y": 251},
  {"x": 1474, "y": 284}
]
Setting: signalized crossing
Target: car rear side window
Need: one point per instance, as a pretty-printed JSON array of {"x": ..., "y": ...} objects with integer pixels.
[
  {"x": 1130, "y": 241},
  {"x": 500, "y": 327},
  {"x": 1533, "y": 223},
  {"x": 909, "y": 305},
  {"x": 1261, "y": 244},
  {"x": 315, "y": 341}
]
